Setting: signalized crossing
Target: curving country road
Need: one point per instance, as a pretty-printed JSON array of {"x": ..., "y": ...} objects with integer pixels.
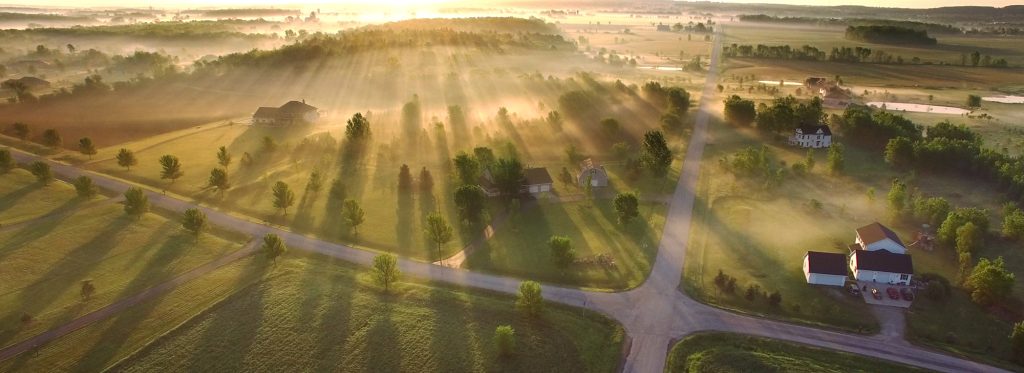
[{"x": 653, "y": 315}]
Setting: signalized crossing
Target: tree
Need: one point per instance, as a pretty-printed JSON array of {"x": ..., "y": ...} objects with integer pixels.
[
  {"x": 353, "y": 214},
  {"x": 404, "y": 178},
  {"x": 223, "y": 157},
  {"x": 268, "y": 145},
  {"x": 899, "y": 151},
  {"x": 973, "y": 101},
  {"x": 6, "y": 161},
  {"x": 385, "y": 270},
  {"x": 562, "y": 251},
  {"x": 610, "y": 127},
  {"x": 505, "y": 340},
  {"x": 1013, "y": 224},
  {"x": 126, "y": 158},
  {"x": 836, "y": 159},
  {"x": 273, "y": 247},
  {"x": 508, "y": 176},
  {"x": 51, "y": 138},
  {"x": 990, "y": 282},
  {"x": 87, "y": 289},
  {"x": 194, "y": 221},
  {"x": 897, "y": 199},
  {"x": 467, "y": 168},
  {"x": 484, "y": 156},
  {"x": 283, "y": 196},
  {"x": 655, "y": 155},
  {"x": 20, "y": 130},
  {"x": 931, "y": 210},
  {"x": 968, "y": 238},
  {"x": 438, "y": 231},
  {"x": 959, "y": 217},
  {"x": 529, "y": 299},
  {"x": 84, "y": 187},
  {"x": 670, "y": 121},
  {"x": 135, "y": 201},
  {"x": 171, "y": 168},
  {"x": 218, "y": 179},
  {"x": 426, "y": 180},
  {"x": 573, "y": 155},
  {"x": 316, "y": 180},
  {"x": 775, "y": 298},
  {"x": 627, "y": 207},
  {"x": 470, "y": 200},
  {"x": 1017, "y": 341},
  {"x": 41, "y": 170},
  {"x": 678, "y": 100},
  {"x": 739, "y": 111},
  {"x": 975, "y": 58},
  {"x": 965, "y": 260},
  {"x": 358, "y": 128},
  {"x": 86, "y": 147}
]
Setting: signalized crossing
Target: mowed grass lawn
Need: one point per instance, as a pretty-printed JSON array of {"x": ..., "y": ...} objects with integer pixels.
[
  {"x": 725, "y": 353},
  {"x": 520, "y": 247},
  {"x": 23, "y": 198},
  {"x": 312, "y": 315},
  {"x": 43, "y": 264}
]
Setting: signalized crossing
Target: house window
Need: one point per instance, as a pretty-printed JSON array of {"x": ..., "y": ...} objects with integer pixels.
[{"x": 904, "y": 277}]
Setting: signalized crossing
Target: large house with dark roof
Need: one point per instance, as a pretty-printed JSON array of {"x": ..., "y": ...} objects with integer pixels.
[
  {"x": 291, "y": 113},
  {"x": 880, "y": 256},
  {"x": 535, "y": 181}
]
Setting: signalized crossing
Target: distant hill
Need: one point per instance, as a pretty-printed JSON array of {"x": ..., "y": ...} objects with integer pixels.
[{"x": 475, "y": 24}]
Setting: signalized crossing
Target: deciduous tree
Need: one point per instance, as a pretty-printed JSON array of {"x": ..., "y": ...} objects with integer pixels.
[
  {"x": 87, "y": 289},
  {"x": 223, "y": 157},
  {"x": 438, "y": 231},
  {"x": 562, "y": 251},
  {"x": 739, "y": 111},
  {"x": 467, "y": 168},
  {"x": 353, "y": 214},
  {"x": 627, "y": 206},
  {"x": 194, "y": 221},
  {"x": 273, "y": 247},
  {"x": 51, "y": 138},
  {"x": 529, "y": 300},
  {"x": 84, "y": 187},
  {"x": 505, "y": 340},
  {"x": 41, "y": 170},
  {"x": 470, "y": 200},
  {"x": 990, "y": 282},
  {"x": 135, "y": 201},
  {"x": 170, "y": 168},
  {"x": 218, "y": 179},
  {"x": 358, "y": 128},
  {"x": 836, "y": 158},
  {"x": 283, "y": 196},
  {"x": 385, "y": 270},
  {"x": 86, "y": 147},
  {"x": 126, "y": 158},
  {"x": 508, "y": 176},
  {"x": 655, "y": 155}
]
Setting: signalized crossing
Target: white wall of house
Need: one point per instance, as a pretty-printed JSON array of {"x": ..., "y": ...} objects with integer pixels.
[
  {"x": 539, "y": 188},
  {"x": 821, "y": 278},
  {"x": 812, "y": 141},
  {"x": 885, "y": 244},
  {"x": 882, "y": 277},
  {"x": 311, "y": 116}
]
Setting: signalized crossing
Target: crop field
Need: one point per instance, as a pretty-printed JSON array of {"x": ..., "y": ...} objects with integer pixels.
[
  {"x": 356, "y": 327},
  {"x": 43, "y": 264},
  {"x": 723, "y": 352}
]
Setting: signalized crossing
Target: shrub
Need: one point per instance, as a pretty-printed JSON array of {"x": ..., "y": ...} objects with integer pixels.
[
  {"x": 775, "y": 299},
  {"x": 505, "y": 340},
  {"x": 753, "y": 290}
]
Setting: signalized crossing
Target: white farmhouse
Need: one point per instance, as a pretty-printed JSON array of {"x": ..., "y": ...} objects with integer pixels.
[
  {"x": 880, "y": 256},
  {"x": 825, "y": 268},
  {"x": 819, "y": 136}
]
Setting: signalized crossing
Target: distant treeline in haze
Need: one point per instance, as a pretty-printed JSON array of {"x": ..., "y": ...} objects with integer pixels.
[{"x": 889, "y": 35}]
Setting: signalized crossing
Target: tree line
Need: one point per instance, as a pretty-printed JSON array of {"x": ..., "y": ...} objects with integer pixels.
[{"x": 888, "y": 34}]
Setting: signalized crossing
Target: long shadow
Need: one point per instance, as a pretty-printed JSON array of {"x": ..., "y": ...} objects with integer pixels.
[
  {"x": 35, "y": 230},
  {"x": 382, "y": 339},
  {"x": 333, "y": 329},
  {"x": 230, "y": 333},
  {"x": 72, "y": 268},
  {"x": 404, "y": 224},
  {"x": 452, "y": 317},
  {"x": 157, "y": 269},
  {"x": 11, "y": 199},
  {"x": 302, "y": 221}
]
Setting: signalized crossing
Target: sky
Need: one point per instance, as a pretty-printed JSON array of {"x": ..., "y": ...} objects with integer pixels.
[{"x": 416, "y": 3}]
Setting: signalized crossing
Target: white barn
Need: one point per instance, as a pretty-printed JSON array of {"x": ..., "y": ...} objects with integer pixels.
[
  {"x": 876, "y": 236},
  {"x": 825, "y": 268},
  {"x": 880, "y": 256},
  {"x": 818, "y": 136}
]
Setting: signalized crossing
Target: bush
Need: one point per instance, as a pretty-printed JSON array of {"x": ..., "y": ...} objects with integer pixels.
[
  {"x": 753, "y": 290},
  {"x": 504, "y": 340},
  {"x": 775, "y": 299},
  {"x": 562, "y": 251}
]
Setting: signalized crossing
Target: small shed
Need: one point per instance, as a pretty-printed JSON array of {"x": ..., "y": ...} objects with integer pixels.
[
  {"x": 825, "y": 268},
  {"x": 597, "y": 175}
]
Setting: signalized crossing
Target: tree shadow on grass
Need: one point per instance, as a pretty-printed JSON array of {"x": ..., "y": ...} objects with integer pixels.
[
  {"x": 333, "y": 324},
  {"x": 302, "y": 220},
  {"x": 11, "y": 199},
  {"x": 452, "y": 342},
  {"x": 38, "y": 229},
  {"x": 382, "y": 340},
  {"x": 71, "y": 269},
  {"x": 404, "y": 223}
]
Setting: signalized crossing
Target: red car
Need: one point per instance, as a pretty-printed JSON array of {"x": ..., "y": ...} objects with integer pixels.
[
  {"x": 893, "y": 293},
  {"x": 876, "y": 294}
]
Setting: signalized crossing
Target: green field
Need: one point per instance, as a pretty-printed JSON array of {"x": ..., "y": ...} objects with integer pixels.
[
  {"x": 520, "y": 248},
  {"x": 22, "y": 198},
  {"x": 42, "y": 264},
  {"x": 723, "y": 352},
  {"x": 313, "y": 315}
]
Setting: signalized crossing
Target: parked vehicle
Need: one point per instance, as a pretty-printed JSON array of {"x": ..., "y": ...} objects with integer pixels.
[
  {"x": 876, "y": 294},
  {"x": 893, "y": 293},
  {"x": 908, "y": 295},
  {"x": 853, "y": 289}
]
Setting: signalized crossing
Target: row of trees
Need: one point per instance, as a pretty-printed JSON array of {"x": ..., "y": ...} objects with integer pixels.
[{"x": 782, "y": 115}]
